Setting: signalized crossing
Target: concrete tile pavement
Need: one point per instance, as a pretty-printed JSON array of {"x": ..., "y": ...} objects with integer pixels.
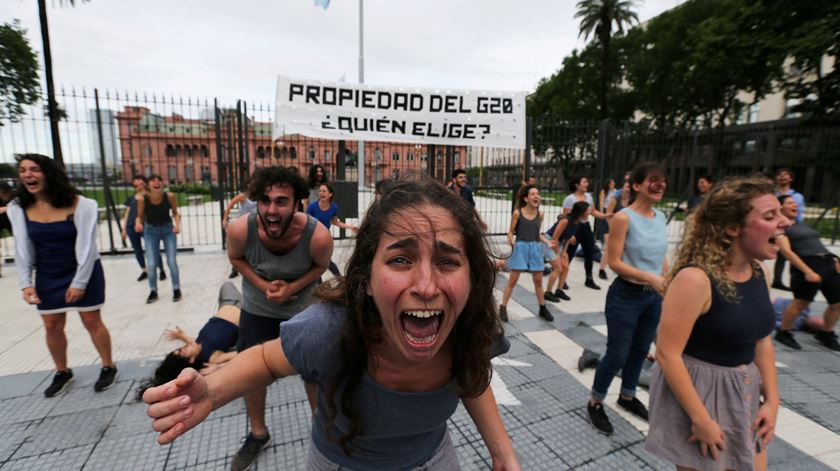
[{"x": 543, "y": 406}]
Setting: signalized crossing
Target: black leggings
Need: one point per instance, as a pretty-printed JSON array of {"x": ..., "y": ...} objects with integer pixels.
[{"x": 586, "y": 240}]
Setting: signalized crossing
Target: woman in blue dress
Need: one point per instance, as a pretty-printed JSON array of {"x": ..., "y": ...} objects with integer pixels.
[
  {"x": 55, "y": 235},
  {"x": 325, "y": 211}
]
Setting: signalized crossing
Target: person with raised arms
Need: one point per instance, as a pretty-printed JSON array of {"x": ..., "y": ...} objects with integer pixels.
[{"x": 394, "y": 347}]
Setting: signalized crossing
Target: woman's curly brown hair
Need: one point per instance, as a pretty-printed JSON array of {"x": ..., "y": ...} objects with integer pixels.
[
  {"x": 706, "y": 244},
  {"x": 475, "y": 330}
]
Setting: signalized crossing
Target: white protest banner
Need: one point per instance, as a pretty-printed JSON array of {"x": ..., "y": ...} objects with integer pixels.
[{"x": 399, "y": 114}]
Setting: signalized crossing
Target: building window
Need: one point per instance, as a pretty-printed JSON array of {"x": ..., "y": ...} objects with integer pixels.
[
  {"x": 410, "y": 156},
  {"x": 147, "y": 150},
  {"x": 260, "y": 152},
  {"x": 790, "y": 103},
  {"x": 170, "y": 150},
  {"x": 292, "y": 153},
  {"x": 173, "y": 173},
  {"x": 752, "y": 113},
  {"x": 311, "y": 152},
  {"x": 189, "y": 173},
  {"x": 204, "y": 151},
  {"x": 205, "y": 174},
  {"x": 326, "y": 156},
  {"x": 395, "y": 156},
  {"x": 277, "y": 152},
  {"x": 188, "y": 151},
  {"x": 178, "y": 150},
  {"x": 378, "y": 154}
]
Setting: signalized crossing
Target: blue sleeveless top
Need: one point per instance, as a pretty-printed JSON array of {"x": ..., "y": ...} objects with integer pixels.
[
  {"x": 647, "y": 241},
  {"x": 726, "y": 335}
]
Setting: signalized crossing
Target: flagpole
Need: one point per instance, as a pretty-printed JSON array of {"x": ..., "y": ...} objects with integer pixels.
[{"x": 360, "y": 160}]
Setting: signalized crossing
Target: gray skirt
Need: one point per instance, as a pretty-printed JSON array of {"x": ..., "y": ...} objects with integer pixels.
[
  {"x": 730, "y": 394},
  {"x": 444, "y": 459}
]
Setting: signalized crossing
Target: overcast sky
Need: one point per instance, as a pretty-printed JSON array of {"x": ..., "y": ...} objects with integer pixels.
[{"x": 235, "y": 48}]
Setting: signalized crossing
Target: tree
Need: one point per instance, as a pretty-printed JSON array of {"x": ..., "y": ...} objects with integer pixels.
[
  {"x": 18, "y": 72},
  {"x": 598, "y": 16}
]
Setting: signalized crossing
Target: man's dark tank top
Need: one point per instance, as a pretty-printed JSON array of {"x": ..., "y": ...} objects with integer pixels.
[
  {"x": 528, "y": 230},
  {"x": 726, "y": 335},
  {"x": 157, "y": 215},
  {"x": 805, "y": 240}
]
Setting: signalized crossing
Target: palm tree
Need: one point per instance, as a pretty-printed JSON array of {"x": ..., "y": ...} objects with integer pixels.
[{"x": 598, "y": 16}]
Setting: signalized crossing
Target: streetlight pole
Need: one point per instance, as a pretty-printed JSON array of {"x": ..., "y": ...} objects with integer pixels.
[{"x": 360, "y": 161}]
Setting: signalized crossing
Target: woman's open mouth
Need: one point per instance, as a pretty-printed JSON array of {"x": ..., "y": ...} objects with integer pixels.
[{"x": 420, "y": 327}]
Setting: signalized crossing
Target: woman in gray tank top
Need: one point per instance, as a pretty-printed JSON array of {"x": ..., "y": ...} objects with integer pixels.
[
  {"x": 813, "y": 268},
  {"x": 382, "y": 346},
  {"x": 529, "y": 249}
]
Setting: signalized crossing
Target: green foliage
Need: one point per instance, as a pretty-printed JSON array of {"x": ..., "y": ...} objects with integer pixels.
[
  {"x": 689, "y": 65},
  {"x": 191, "y": 188},
  {"x": 8, "y": 171},
  {"x": 19, "y": 84}
]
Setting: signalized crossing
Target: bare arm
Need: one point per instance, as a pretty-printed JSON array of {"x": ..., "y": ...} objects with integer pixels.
[
  {"x": 688, "y": 297},
  {"x": 485, "y": 415},
  {"x": 320, "y": 249},
  {"x": 765, "y": 360},
  {"x": 218, "y": 357},
  {"x": 178, "y": 334},
  {"x": 184, "y": 402},
  {"x": 141, "y": 215},
  {"x": 175, "y": 214},
  {"x": 337, "y": 222},
  {"x": 514, "y": 219},
  {"x": 786, "y": 249},
  {"x": 240, "y": 197},
  {"x": 545, "y": 240},
  {"x": 611, "y": 207}
]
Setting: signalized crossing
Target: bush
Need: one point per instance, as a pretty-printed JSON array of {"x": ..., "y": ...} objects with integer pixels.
[{"x": 190, "y": 188}]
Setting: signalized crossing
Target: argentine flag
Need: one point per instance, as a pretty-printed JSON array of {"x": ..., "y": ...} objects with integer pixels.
[{"x": 322, "y": 3}]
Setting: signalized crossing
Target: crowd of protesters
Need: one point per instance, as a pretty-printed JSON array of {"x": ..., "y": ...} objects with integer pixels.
[{"x": 422, "y": 273}]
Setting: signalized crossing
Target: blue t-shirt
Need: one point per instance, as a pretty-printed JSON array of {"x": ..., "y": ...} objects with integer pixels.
[
  {"x": 401, "y": 430},
  {"x": 646, "y": 242},
  {"x": 324, "y": 216}
]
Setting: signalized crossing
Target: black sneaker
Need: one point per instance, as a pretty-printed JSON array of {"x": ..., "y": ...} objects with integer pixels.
[
  {"x": 550, "y": 297},
  {"x": 246, "y": 455},
  {"x": 634, "y": 406},
  {"x": 545, "y": 314},
  {"x": 503, "y": 313},
  {"x": 152, "y": 297},
  {"x": 546, "y": 271},
  {"x": 590, "y": 283},
  {"x": 233, "y": 273},
  {"x": 562, "y": 294},
  {"x": 599, "y": 418},
  {"x": 107, "y": 378},
  {"x": 59, "y": 383},
  {"x": 142, "y": 276},
  {"x": 785, "y": 338},
  {"x": 162, "y": 275},
  {"x": 176, "y": 295},
  {"x": 565, "y": 285},
  {"x": 602, "y": 274},
  {"x": 828, "y": 339}
]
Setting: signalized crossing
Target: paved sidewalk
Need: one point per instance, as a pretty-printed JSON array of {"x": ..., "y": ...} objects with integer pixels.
[{"x": 540, "y": 392}]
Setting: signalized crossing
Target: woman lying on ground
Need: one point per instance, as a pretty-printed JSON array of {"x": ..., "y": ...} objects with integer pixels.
[
  {"x": 382, "y": 346},
  {"x": 214, "y": 346}
]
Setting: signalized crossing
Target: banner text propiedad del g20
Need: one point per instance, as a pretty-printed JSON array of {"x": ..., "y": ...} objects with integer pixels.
[{"x": 415, "y": 115}]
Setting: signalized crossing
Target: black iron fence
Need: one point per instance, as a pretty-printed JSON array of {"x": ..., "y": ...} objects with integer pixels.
[{"x": 205, "y": 151}]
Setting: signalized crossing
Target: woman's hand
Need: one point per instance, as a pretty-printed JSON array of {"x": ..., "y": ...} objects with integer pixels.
[
  {"x": 176, "y": 229},
  {"x": 178, "y": 405},
  {"x": 709, "y": 436},
  {"x": 30, "y": 296},
  {"x": 813, "y": 277},
  {"x": 176, "y": 334},
  {"x": 73, "y": 294},
  {"x": 123, "y": 234},
  {"x": 138, "y": 227},
  {"x": 507, "y": 464},
  {"x": 765, "y": 421},
  {"x": 658, "y": 283}
]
